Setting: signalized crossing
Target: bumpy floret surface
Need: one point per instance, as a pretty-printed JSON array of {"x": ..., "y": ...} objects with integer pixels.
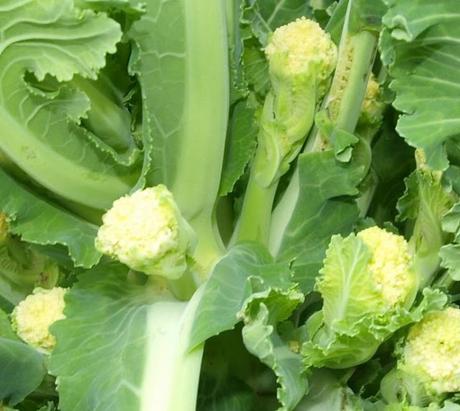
[
  {"x": 33, "y": 316},
  {"x": 432, "y": 353},
  {"x": 390, "y": 264}
]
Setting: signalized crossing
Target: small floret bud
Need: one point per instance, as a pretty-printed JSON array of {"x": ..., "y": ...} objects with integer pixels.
[
  {"x": 390, "y": 265},
  {"x": 33, "y": 316},
  {"x": 372, "y": 109},
  {"x": 301, "y": 49}
]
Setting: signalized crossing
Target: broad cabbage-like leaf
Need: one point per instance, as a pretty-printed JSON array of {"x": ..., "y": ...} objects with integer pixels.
[
  {"x": 124, "y": 346},
  {"x": 424, "y": 204},
  {"x": 261, "y": 316},
  {"x": 420, "y": 47},
  {"x": 355, "y": 318},
  {"x": 326, "y": 187},
  {"x": 246, "y": 272},
  {"x": 38, "y": 221},
  {"x": 48, "y": 143},
  {"x": 22, "y": 367}
]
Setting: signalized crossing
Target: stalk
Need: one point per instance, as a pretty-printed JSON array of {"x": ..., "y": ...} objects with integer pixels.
[
  {"x": 298, "y": 79},
  {"x": 172, "y": 370},
  {"x": 343, "y": 104},
  {"x": 254, "y": 222},
  {"x": 189, "y": 157}
]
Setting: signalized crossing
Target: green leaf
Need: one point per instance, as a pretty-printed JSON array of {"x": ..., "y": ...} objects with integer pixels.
[
  {"x": 241, "y": 145},
  {"x": 267, "y": 15},
  {"x": 49, "y": 145},
  {"x": 322, "y": 207},
  {"x": 247, "y": 271},
  {"x": 22, "y": 367},
  {"x": 261, "y": 316},
  {"x": 346, "y": 284},
  {"x": 123, "y": 346},
  {"x": 256, "y": 68},
  {"x": 367, "y": 15},
  {"x": 328, "y": 394},
  {"x": 353, "y": 343},
  {"x": 420, "y": 47},
  {"x": 230, "y": 375},
  {"x": 342, "y": 141},
  {"x": 238, "y": 33},
  {"x": 39, "y": 222},
  {"x": 424, "y": 204},
  {"x": 134, "y": 7},
  {"x": 5, "y": 327},
  {"x": 450, "y": 253},
  {"x": 22, "y": 269},
  {"x": 392, "y": 161},
  {"x": 228, "y": 395}
]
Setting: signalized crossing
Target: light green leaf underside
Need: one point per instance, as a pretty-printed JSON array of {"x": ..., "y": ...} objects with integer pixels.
[
  {"x": 261, "y": 316},
  {"x": 122, "y": 347},
  {"x": 346, "y": 284},
  {"x": 244, "y": 272},
  {"x": 424, "y": 204},
  {"x": 39, "y": 132},
  {"x": 39, "y": 222},
  {"x": 321, "y": 210},
  {"x": 421, "y": 46},
  {"x": 22, "y": 368}
]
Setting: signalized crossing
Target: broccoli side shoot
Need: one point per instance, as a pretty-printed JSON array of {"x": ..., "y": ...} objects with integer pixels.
[{"x": 147, "y": 232}]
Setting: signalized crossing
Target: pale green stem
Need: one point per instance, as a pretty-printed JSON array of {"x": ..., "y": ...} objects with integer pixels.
[
  {"x": 254, "y": 222},
  {"x": 347, "y": 93},
  {"x": 201, "y": 150}
]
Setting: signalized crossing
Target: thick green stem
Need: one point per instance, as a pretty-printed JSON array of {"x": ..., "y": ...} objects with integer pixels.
[
  {"x": 201, "y": 151},
  {"x": 172, "y": 370},
  {"x": 254, "y": 222},
  {"x": 184, "y": 287},
  {"x": 183, "y": 43},
  {"x": 348, "y": 88},
  {"x": 198, "y": 163}
]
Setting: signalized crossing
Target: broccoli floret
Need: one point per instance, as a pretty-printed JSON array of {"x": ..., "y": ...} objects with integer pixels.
[
  {"x": 146, "y": 232},
  {"x": 431, "y": 352},
  {"x": 33, "y": 316},
  {"x": 390, "y": 265},
  {"x": 368, "y": 285},
  {"x": 301, "y": 57}
]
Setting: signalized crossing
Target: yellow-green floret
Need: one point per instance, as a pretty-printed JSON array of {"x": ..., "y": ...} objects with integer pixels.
[
  {"x": 33, "y": 316},
  {"x": 302, "y": 47},
  {"x": 146, "y": 232},
  {"x": 301, "y": 58},
  {"x": 390, "y": 264},
  {"x": 432, "y": 351},
  {"x": 372, "y": 109}
]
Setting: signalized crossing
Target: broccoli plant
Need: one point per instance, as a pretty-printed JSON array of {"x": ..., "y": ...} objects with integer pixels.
[{"x": 229, "y": 205}]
